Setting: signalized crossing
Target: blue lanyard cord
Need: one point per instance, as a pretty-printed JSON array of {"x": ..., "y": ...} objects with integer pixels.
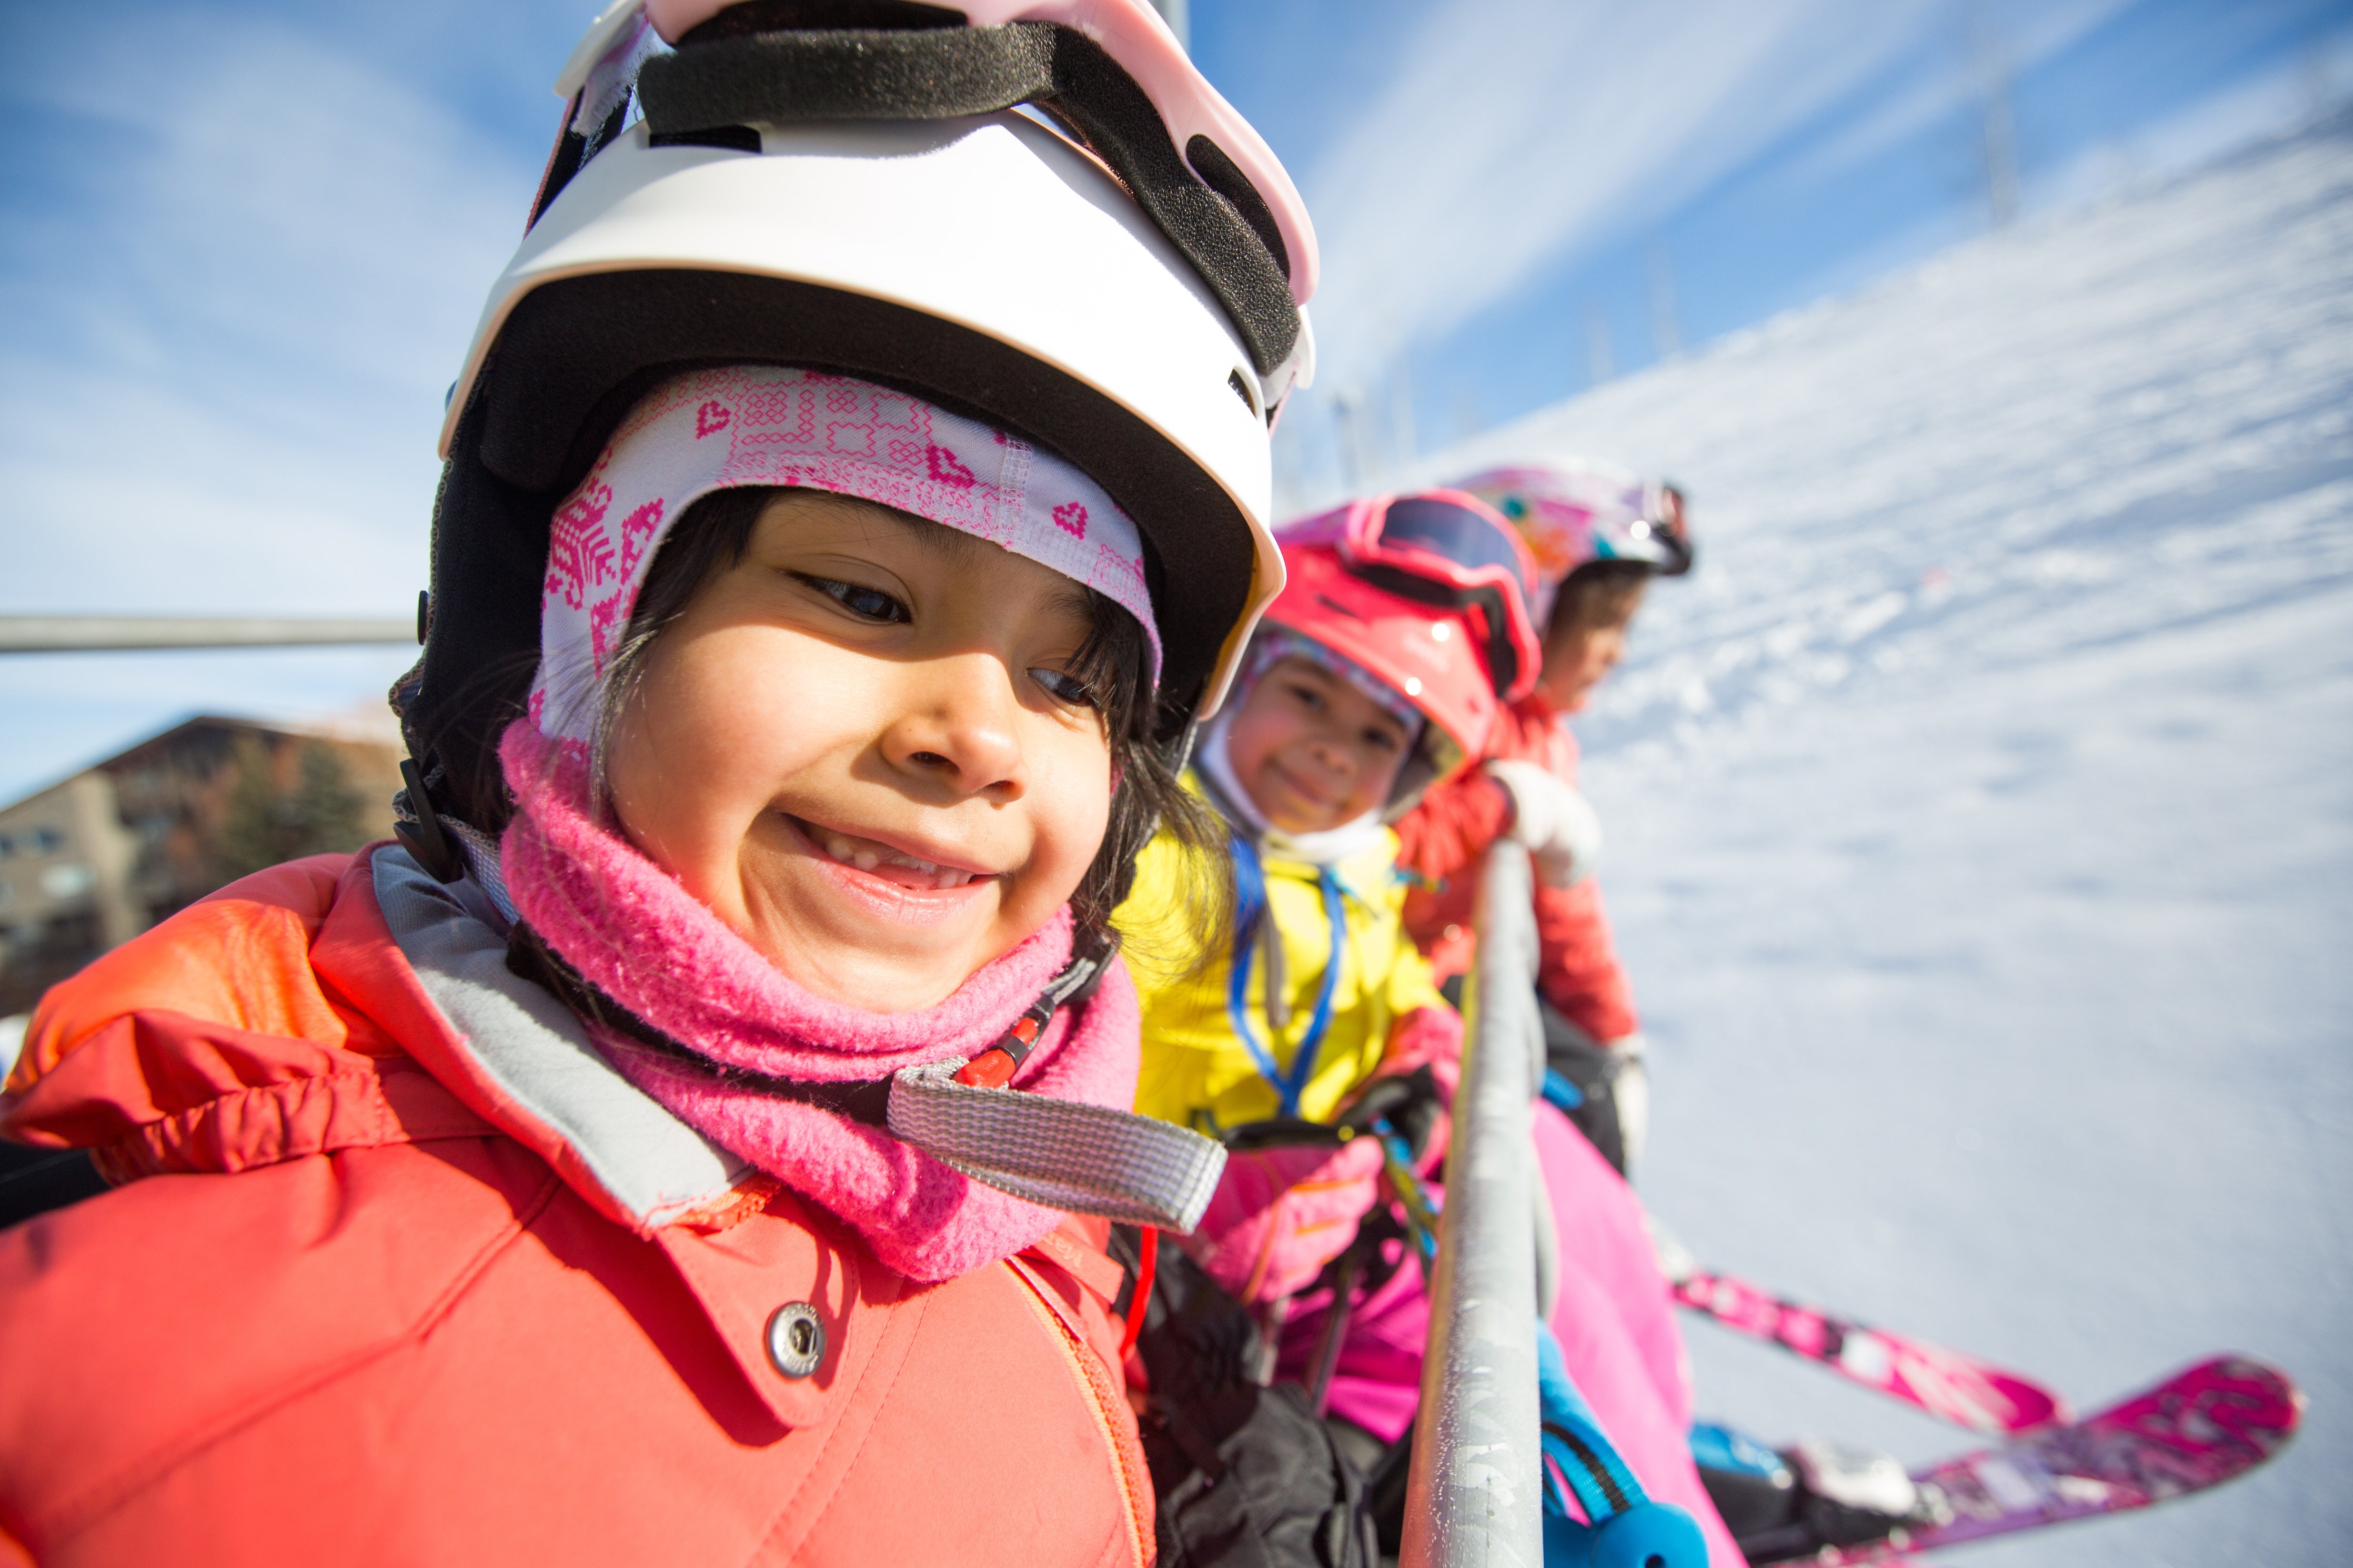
[{"x": 1251, "y": 906}]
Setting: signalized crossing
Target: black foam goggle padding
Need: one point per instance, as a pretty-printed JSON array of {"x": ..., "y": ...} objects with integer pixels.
[
  {"x": 1502, "y": 654},
  {"x": 1200, "y": 200},
  {"x": 1672, "y": 528}
]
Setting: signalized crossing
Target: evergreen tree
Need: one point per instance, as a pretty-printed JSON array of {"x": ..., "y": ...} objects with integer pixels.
[{"x": 263, "y": 825}]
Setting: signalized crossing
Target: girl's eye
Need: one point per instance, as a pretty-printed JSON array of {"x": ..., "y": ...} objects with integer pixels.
[
  {"x": 1065, "y": 687},
  {"x": 1308, "y": 697},
  {"x": 865, "y": 604},
  {"x": 1380, "y": 741}
]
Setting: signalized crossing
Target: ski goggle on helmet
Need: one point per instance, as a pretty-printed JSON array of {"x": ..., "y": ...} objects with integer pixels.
[
  {"x": 1447, "y": 548},
  {"x": 1427, "y": 594},
  {"x": 1580, "y": 510},
  {"x": 1037, "y": 216}
]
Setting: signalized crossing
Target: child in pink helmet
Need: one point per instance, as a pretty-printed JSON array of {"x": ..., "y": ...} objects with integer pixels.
[
  {"x": 1402, "y": 635},
  {"x": 1352, "y": 699}
]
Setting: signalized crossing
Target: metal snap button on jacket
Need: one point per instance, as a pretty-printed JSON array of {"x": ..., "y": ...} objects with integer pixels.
[{"x": 795, "y": 1339}]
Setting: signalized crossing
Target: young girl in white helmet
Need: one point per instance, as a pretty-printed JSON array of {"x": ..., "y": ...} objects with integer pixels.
[{"x": 695, "y": 1139}]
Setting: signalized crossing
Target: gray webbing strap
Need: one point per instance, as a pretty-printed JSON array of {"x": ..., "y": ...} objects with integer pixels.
[{"x": 1061, "y": 1153}]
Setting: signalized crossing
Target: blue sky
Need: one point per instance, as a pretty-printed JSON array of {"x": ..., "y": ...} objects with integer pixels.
[
  {"x": 1489, "y": 177},
  {"x": 241, "y": 247}
]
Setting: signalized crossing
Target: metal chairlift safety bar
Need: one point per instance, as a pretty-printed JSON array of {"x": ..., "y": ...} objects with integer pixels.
[
  {"x": 1495, "y": 1395},
  {"x": 1475, "y": 1491}
]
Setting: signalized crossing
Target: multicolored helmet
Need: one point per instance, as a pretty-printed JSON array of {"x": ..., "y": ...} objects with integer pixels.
[{"x": 1580, "y": 510}]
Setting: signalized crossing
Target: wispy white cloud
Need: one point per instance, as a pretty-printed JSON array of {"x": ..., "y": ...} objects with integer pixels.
[
  {"x": 235, "y": 277},
  {"x": 1517, "y": 129},
  {"x": 236, "y": 308},
  {"x": 2005, "y": 40},
  {"x": 2318, "y": 81}
]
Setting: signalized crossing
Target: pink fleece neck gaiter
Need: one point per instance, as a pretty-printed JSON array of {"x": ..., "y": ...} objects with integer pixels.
[{"x": 634, "y": 933}]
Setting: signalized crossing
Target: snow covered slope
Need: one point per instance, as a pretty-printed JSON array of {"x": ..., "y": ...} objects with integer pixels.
[{"x": 1981, "y": 819}]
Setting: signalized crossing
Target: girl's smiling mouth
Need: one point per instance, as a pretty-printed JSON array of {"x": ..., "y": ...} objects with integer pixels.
[
  {"x": 1304, "y": 792},
  {"x": 883, "y": 861}
]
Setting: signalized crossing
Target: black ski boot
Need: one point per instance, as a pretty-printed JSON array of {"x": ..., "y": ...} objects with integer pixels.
[{"x": 1813, "y": 1494}]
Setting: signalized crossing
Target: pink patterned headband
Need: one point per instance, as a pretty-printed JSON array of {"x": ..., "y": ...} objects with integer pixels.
[{"x": 766, "y": 424}]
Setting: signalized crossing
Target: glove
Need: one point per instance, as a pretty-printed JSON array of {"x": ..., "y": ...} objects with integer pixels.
[
  {"x": 1551, "y": 819},
  {"x": 1615, "y": 1114},
  {"x": 1414, "y": 1105},
  {"x": 1631, "y": 1089},
  {"x": 1279, "y": 1215}
]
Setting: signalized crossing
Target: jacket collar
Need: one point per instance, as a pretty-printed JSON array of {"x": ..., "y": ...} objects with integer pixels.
[{"x": 520, "y": 1059}]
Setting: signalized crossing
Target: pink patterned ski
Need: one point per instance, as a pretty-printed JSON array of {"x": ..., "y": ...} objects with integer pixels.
[
  {"x": 2197, "y": 1430},
  {"x": 1944, "y": 1383}
]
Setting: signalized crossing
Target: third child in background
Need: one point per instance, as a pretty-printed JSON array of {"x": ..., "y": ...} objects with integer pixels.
[{"x": 1599, "y": 534}]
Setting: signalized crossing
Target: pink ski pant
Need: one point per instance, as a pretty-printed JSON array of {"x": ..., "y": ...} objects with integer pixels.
[{"x": 1614, "y": 1316}]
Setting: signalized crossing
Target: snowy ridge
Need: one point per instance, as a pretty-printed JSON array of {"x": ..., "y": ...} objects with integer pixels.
[
  {"x": 1981, "y": 817},
  {"x": 2030, "y": 412}
]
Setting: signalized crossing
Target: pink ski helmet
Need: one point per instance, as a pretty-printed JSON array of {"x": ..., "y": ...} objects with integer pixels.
[{"x": 1427, "y": 594}]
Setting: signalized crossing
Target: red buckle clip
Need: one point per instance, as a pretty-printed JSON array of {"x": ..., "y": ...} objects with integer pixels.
[
  {"x": 995, "y": 1068},
  {"x": 992, "y": 1069}
]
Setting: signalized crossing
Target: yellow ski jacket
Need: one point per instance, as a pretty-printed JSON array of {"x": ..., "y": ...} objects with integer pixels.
[{"x": 1197, "y": 1069}]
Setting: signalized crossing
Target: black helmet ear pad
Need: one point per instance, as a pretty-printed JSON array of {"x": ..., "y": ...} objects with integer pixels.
[{"x": 576, "y": 352}]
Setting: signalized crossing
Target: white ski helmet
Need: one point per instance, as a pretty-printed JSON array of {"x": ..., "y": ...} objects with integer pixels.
[{"x": 1114, "y": 270}]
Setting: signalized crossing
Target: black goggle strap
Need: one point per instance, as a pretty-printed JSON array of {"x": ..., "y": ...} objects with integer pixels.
[
  {"x": 1668, "y": 514},
  {"x": 1200, "y": 200},
  {"x": 1502, "y": 654}
]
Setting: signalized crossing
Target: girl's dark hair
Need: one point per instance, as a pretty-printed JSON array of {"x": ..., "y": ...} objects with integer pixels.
[
  {"x": 1597, "y": 593},
  {"x": 712, "y": 536}
]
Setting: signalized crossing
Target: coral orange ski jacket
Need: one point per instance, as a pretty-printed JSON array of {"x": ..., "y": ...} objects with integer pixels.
[{"x": 393, "y": 1275}]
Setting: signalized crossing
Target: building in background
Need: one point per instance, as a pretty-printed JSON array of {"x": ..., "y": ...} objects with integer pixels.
[{"x": 91, "y": 862}]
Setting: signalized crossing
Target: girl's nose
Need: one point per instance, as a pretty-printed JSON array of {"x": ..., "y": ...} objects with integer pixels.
[
  {"x": 1334, "y": 756},
  {"x": 959, "y": 728}
]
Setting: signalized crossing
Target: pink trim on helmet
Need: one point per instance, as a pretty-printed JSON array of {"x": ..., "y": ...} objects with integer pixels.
[{"x": 1132, "y": 33}]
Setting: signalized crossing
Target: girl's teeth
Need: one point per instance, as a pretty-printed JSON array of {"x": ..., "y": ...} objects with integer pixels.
[{"x": 849, "y": 852}]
